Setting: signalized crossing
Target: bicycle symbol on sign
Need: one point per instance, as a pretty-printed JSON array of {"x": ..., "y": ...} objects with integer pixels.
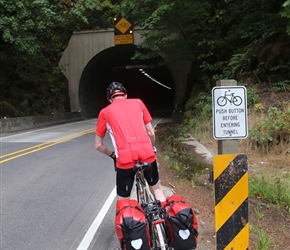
[
  {"x": 229, "y": 97},
  {"x": 122, "y": 25}
]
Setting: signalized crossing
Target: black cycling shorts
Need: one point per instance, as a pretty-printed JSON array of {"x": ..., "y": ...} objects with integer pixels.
[{"x": 125, "y": 179}]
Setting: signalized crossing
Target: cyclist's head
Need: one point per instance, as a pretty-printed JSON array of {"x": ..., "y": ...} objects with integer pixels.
[{"x": 114, "y": 89}]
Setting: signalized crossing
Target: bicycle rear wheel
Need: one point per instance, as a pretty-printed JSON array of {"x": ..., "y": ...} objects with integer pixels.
[
  {"x": 161, "y": 237},
  {"x": 160, "y": 240}
]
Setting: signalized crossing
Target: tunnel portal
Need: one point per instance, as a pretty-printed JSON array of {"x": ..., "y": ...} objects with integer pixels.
[{"x": 116, "y": 64}]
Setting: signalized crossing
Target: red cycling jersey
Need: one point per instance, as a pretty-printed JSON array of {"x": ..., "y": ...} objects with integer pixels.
[{"x": 125, "y": 121}]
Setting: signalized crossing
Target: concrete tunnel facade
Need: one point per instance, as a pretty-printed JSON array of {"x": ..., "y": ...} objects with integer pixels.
[{"x": 91, "y": 62}]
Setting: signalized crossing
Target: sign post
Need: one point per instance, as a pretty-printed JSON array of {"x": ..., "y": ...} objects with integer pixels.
[{"x": 230, "y": 172}]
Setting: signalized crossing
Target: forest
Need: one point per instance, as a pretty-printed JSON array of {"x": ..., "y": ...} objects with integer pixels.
[{"x": 246, "y": 40}]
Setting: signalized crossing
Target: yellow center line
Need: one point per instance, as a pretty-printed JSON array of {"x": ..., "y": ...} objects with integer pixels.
[{"x": 44, "y": 145}]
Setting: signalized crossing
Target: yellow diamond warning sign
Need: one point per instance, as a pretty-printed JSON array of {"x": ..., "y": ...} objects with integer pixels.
[
  {"x": 123, "y": 25},
  {"x": 123, "y": 31}
]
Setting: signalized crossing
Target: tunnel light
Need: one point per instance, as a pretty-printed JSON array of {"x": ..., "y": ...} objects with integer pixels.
[
  {"x": 154, "y": 80},
  {"x": 141, "y": 69}
]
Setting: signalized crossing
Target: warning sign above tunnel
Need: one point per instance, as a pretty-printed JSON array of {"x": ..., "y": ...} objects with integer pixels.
[
  {"x": 123, "y": 39},
  {"x": 123, "y": 31},
  {"x": 123, "y": 25}
]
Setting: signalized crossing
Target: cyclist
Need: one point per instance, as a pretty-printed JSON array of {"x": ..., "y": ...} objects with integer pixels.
[{"x": 128, "y": 122}]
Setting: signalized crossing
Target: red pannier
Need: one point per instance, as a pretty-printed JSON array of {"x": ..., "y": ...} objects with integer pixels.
[
  {"x": 131, "y": 227},
  {"x": 182, "y": 223}
]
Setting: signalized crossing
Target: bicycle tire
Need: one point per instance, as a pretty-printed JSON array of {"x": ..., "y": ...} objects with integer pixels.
[
  {"x": 160, "y": 233},
  {"x": 138, "y": 193}
]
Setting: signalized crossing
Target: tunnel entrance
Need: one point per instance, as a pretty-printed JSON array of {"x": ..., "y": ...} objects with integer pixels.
[{"x": 153, "y": 85}]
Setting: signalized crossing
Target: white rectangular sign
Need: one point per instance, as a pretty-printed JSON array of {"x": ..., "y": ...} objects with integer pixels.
[{"x": 229, "y": 112}]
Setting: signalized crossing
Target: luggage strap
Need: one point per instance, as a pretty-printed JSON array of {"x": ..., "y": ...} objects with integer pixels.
[
  {"x": 136, "y": 207},
  {"x": 188, "y": 225}
]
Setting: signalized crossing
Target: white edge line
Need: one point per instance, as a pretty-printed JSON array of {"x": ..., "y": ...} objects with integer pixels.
[{"x": 85, "y": 243}]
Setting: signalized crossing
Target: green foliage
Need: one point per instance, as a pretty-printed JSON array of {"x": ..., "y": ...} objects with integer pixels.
[
  {"x": 226, "y": 39},
  {"x": 222, "y": 39},
  {"x": 200, "y": 103},
  {"x": 214, "y": 70},
  {"x": 176, "y": 167},
  {"x": 274, "y": 189},
  {"x": 198, "y": 113},
  {"x": 259, "y": 108},
  {"x": 273, "y": 128},
  {"x": 259, "y": 213},
  {"x": 285, "y": 12},
  {"x": 166, "y": 158},
  {"x": 33, "y": 36},
  {"x": 177, "y": 157},
  {"x": 239, "y": 65},
  {"x": 193, "y": 184},
  {"x": 281, "y": 86},
  {"x": 252, "y": 96},
  {"x": 263, "y": 241}
]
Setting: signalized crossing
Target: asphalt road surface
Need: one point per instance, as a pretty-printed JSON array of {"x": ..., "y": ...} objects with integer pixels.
[{"x": 57, "y": 192}]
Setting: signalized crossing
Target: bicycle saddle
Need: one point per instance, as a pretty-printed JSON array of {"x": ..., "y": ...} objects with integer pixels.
[{"x": 141, "y": 166}]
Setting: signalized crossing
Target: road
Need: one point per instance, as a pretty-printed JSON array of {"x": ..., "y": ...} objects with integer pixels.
[{"x": 57, "y": 192}]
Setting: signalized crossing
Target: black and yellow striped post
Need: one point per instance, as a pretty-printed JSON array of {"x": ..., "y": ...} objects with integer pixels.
[{"x": 230, "y": 176}]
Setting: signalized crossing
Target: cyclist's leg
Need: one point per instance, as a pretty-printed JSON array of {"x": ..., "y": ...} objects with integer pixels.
[
  {"x": 152, "y": 178},
  {"x": 124, "y": 182},
  {"x": 157, "y": 191}
]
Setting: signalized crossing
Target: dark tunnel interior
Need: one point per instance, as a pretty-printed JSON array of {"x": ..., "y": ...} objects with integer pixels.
[{"x": 116, "y": 64}]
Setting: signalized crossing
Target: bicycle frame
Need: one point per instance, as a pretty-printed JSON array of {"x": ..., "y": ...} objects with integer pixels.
[
  {"x": 144, "y": 195},
  {"x": 154, "y": 213}
]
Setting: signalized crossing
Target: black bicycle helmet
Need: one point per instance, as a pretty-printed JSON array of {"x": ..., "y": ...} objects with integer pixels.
[{"x": 114, "y": 88}]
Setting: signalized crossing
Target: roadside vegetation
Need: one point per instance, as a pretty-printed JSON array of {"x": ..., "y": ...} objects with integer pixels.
[
  {"x": 268, "y": 143},
  {"x": 267, "y": 148},
  {"x": 243, "y": 40},
  {"x": 223, "y": 39}
]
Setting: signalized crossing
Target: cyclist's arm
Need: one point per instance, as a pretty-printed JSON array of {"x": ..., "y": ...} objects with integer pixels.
[
  {"x": 151, "y": 133},
  {"x": 102, "y": 147}
]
